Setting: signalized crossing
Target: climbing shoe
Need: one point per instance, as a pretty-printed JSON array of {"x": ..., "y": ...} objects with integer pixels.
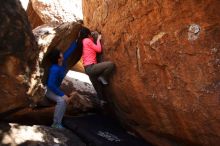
[
  {"x": 57, "y": 126},
  {"x": 102, "y": 103},
  {"x": 102, "y": 80}
]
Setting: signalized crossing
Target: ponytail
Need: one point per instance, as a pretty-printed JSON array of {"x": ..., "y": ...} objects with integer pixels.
[{"x": 84, "y": 33}]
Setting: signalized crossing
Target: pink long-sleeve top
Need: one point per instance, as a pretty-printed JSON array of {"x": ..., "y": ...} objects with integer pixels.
[{"x": 89, "y": 51}]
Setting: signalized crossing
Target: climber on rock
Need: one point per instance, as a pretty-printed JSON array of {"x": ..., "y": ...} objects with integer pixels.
[{"x": 97, "y": 72}]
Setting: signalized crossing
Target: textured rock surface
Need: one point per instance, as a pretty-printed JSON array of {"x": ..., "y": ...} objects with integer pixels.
[
  {"x": 50, "y": 11},
  {"x": 36, "y": 135},
  {"x": 33, "y": 17},
  {"x": 167, "y": 53},
  {"x": 18, "y": 54}
]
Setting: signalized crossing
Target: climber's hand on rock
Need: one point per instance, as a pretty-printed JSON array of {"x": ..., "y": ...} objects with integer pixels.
[
  {"x": 99, "y": 37},
  {"x": 67, "y": 98}
]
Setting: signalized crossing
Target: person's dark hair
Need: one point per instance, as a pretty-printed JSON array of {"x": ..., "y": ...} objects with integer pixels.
[
  {"x": 54, "y": 56},
  {"x": 84, "y": 33}
]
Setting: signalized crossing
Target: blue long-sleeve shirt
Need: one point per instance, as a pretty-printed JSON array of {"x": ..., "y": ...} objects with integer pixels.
[{"x": 57, "y": 73}]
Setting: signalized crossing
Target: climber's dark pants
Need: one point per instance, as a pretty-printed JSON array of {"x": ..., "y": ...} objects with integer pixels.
[{"x": 100, "y": 69}]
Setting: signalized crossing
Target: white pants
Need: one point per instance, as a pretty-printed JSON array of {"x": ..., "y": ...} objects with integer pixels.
[{"x": 60, "y": 106}]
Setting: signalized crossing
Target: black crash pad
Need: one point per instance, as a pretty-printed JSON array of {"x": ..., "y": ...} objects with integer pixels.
[{"x": 99, "y": 130}]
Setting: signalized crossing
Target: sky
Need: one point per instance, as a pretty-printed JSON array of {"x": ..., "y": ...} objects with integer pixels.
[{"x": 24, "y": 3}]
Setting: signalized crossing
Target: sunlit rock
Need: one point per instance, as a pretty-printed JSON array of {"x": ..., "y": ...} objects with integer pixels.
[
  {"x": 16, "y": 134},
  {"x": 50, "y": 11}
]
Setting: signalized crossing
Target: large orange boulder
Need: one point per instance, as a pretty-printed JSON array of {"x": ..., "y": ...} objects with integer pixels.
[
  {"x": 167, "y": 54},
  {"x": 18, "y": 53}
]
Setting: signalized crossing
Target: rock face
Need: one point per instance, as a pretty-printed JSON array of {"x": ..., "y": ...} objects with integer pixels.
[
  {"x": 33, "y": 17},
  {"x": 18, "y": 53},
  {"x": 50, "y": 11},
  {"x": 36, "y": 135},
  {"x": 167, "y": 54}
]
